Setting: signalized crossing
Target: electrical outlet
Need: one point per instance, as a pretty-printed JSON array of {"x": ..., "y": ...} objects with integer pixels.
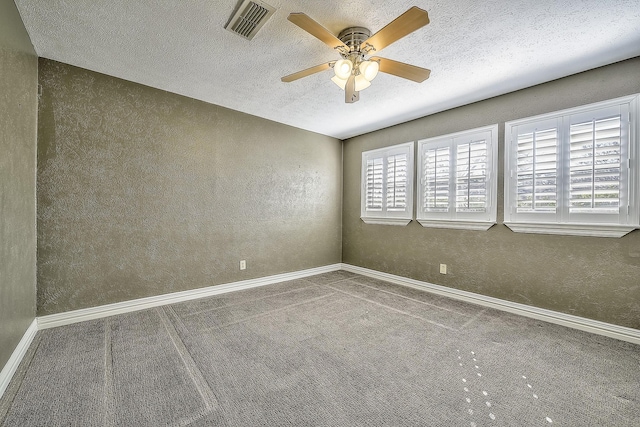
[
  {"x": 243, "y": 265},
  {"x": 443, "y": 268}
]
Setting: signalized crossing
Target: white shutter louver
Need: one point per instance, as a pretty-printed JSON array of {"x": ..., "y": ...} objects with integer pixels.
[
  {"x": 436, "y": 165},
  {"x": 374, "y": 183},
  {"x": 537, "y": 171},
  {"x": 397, "y": 182},
  {"x": 594, "y": 171},
  {"x": 471, "y": 177}
]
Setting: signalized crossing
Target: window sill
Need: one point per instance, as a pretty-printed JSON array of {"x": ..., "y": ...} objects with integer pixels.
[
  {"x": 386, "y": 221},
  {"x": 591, "y": 230},
  {"x": 457, "y": 225}
]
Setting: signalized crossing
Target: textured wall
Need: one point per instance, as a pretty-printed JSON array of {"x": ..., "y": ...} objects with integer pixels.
[
  {"x": 142, "y": 192},
  {"x": 18, "y": 114},
  {"x": 597, "y": 278}
]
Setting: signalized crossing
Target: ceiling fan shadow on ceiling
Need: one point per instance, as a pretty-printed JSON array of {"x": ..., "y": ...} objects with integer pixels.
[{"x": 355, "y": 71}]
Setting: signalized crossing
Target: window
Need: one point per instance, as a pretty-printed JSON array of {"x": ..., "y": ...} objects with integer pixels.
[
  {"x": 457, "y": 185},
  {"x": 387, "y": 185},
  {"x": 574, "y": 171}
]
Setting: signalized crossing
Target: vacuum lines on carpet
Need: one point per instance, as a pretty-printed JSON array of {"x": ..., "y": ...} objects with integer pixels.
[{"x": 336, "y": 349}]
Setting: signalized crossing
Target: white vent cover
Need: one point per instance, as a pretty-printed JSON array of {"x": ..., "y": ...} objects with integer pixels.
[{"x": 249, "y": 18}]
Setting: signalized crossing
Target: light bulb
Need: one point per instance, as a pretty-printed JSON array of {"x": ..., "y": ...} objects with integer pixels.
[
  {"x": 369, "y": 69},
  {"x": 361, "y": 83},
  {"x": 343, "y": 68},
  {"x": 340, "y": 82}
]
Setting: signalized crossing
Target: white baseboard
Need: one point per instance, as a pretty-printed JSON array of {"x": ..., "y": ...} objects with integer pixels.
[
  {"x": 576, "y": 322},
  {"x": 53, "y": 320},
  {"x": 16, "y": 357},
  {"x": 69, "y": 317},
  {"x": 75, "y": 316}
]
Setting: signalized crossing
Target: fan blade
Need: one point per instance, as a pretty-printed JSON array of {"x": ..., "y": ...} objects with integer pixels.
[
  {"x": 400, "y": 69},
  {"x": 350, "y": 94},
  {"x": 307, "y": 72},
  {"x": 315, "y": 29},
  {"x": 403, "y": 25}
]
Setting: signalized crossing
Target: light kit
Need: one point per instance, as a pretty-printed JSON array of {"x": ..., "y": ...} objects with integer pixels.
[{"x": 356, "y": 70}]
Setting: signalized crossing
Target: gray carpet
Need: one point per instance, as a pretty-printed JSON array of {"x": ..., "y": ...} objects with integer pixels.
[{"x": 337, "y": 349}]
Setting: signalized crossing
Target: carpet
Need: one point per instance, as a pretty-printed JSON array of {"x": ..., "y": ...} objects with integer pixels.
[{"x": 336, "y": 349}]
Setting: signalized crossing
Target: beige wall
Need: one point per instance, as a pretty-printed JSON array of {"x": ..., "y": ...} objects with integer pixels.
[
  {"x": 143, "y": 192},
  {"x": 597, "y": 278},
  {"x": 18, "y": 113}
]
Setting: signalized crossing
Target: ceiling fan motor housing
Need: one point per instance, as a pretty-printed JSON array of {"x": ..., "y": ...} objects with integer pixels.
[{"x": 353, "y": 37}]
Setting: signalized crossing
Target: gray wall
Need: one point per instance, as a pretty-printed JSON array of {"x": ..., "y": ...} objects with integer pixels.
[
  {"x": 597, "y": 278},
  {"x": 142, "y": 192},
  {"x": 18, "y": 114}
]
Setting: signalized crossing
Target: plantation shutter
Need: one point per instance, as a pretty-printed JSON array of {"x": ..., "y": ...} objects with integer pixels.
[
  {"x": 397, "y": 182},
  {"x": 374, "y": 183},
  {"x": 387, "y": 187},
  {"x": 436, "y": 164},
  {"x": 471, "y": 177},
  {"x": 537, "y": 170},
  {"x": 457, "y": 186},
  {"x": 595, "y": 166},
  {"x": 575, "y": 171}
]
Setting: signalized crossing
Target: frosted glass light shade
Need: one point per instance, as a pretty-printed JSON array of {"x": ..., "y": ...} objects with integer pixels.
[
  {"x": 361, "y": 83},
  {"x": 340, "y": 82},
  {"x": 343, "y": 68},
  {"x": 369, "y": 69}
]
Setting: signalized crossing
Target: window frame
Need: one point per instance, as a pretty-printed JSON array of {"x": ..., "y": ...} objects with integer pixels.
[
  {"x": 563, "y": 221},
  {"x": 384, "y": 216},
  {"x": 480, "y": 221}
]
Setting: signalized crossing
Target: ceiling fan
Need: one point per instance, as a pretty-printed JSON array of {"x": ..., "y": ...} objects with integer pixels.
[{"x": 356, "y": 69}]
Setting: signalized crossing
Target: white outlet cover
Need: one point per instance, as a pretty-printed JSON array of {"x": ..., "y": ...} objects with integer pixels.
[{"x": 443, "y": 268}]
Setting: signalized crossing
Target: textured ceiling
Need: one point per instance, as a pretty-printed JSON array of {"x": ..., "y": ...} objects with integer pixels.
[{"x": 475, "y": 50}]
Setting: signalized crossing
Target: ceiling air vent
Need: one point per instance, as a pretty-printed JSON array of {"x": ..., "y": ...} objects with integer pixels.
[{"x": 249, "y": 18}]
